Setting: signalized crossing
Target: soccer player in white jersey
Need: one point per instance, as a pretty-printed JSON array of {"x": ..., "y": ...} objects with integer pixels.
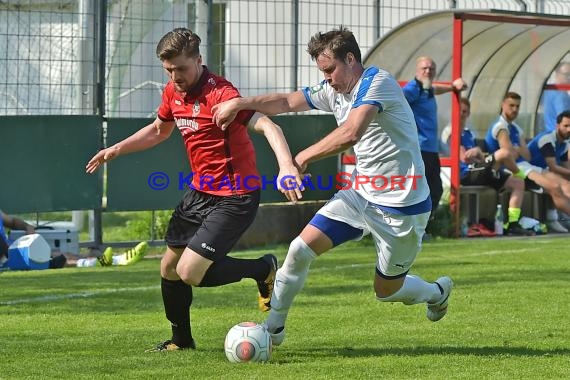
[{"x": 389, "y": 197}]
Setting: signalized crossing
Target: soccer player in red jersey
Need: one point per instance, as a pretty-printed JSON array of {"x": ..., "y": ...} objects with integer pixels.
[{"x": 224, "y": 195}]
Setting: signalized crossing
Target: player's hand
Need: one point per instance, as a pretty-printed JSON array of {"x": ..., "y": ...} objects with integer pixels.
[
  {"x": 459, "y": 84},
  {"x": 101, "y": 157},
  {"x": 224, "y": 113},
  {"x": 290, "y": 183},
  {"x": 474, "y": 155}
]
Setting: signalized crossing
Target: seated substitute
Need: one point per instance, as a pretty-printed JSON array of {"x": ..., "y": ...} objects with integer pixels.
[
  {"x": 505, "y": 133},
  {"x": 480, "y": 169},
  {"x": 549, "y": 151}
]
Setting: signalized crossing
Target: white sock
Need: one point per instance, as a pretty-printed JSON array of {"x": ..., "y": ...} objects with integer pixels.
[
  {"x": 414, "y": 290},
  {"x": 88, "y": 262},
  {"x": 289, "y": 281},
  {"x": 551, "y": 214},
  {"x": 120, "y": 259}
]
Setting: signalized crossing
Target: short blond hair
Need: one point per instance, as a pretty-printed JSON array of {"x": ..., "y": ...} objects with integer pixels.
[{"x": 424, "y": 58}]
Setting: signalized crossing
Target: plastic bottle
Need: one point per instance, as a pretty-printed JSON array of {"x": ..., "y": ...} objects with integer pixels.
[
  {"x": 499, "y": 220},
  {"x": 464, "y": 227}
]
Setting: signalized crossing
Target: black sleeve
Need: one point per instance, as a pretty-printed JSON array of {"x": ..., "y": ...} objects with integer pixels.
[{"x": 547, "y": 150}]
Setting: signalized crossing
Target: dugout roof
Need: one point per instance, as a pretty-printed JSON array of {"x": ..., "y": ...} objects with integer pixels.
[{"x": 498, "y": 51}]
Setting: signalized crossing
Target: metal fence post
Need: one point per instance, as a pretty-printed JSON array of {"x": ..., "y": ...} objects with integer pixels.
[
  {"x": 294, "y": 45},
  {"x": 101, "y": 41}
]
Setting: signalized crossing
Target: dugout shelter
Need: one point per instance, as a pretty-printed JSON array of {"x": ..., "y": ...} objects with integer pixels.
[{"x": 494, "y": 51}]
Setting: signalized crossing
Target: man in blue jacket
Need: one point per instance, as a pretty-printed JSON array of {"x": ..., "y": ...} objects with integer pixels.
[{"x": 420, "y": 94}]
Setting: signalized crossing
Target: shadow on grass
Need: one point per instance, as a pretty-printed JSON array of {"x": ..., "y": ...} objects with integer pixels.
[{"x": 349, "y": 352}]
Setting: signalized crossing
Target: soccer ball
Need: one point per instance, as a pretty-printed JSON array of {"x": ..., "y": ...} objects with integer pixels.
[{"x": 248, "y": 342}]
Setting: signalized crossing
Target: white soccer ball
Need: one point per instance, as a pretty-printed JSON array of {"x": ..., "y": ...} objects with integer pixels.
[{"x": 248, "y": 342}]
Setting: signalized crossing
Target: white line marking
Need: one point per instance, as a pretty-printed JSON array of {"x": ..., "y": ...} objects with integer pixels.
[
  {"x": 75, "y": 295},
  {"x": 338, "y": 267}
]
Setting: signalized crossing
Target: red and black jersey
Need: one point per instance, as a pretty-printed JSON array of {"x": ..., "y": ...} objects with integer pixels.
[{"x": 223, "y": 162}]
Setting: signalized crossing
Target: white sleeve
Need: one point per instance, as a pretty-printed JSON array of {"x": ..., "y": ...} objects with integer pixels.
[
  {"x": 320, "y": 96},
  {"x": 378, "y": 88},
  {"x": 499, "y": 126}
]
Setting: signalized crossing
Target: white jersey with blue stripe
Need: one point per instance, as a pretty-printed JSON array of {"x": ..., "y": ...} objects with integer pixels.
[{"x": 388, "y": 152}]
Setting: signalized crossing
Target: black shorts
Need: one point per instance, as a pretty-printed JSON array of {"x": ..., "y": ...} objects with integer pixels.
[
  {"x": 209, "y": 224},
  {"x": 530, "y": 185},
  {"x": 483, "y": 174}
]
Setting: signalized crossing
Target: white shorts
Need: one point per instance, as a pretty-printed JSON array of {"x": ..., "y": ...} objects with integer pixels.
[
  {"x": 398, "y": 238},
  {"x": 526, "y": 167}
]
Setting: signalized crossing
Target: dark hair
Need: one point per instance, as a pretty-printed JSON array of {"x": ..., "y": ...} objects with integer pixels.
[
  {"x": 512, "y": 95},
  {"x": 466, "y": 102},
  {"x": 562, "y": 115},
  {"x": 340, "y": 41},
  {"x": 180, "y": 41}
]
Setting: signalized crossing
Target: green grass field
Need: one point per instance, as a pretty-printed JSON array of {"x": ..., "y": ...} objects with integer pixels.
[{"x": 508, "y": 319}]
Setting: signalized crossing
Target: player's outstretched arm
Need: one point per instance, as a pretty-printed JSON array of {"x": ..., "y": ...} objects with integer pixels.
[
  {"x": 457, "y": 85},
  {"x": 270, "y": 104},
  {"x": 289, "y": 180},
  {"x": 145, "y": 138},
  {"x": 341, "y": 138}
]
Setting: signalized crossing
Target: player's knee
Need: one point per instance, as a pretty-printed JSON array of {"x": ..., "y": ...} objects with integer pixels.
[
  {"x": 168, "y": 269},
  {"x": 564, "y": 186},
  {"x": 299, "y": 255},
  {"x": 187, "y": 275},
  {"x": 515, "y": 184},
  {"x": 393, "y": 291},
  {"x": 501, "y": 155},
  {"x": 389, "y": 293},
  {"x": 555, "y": 190},
  {"x": 385, "y": 298},
  {"x": 385, "y": 293}
]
